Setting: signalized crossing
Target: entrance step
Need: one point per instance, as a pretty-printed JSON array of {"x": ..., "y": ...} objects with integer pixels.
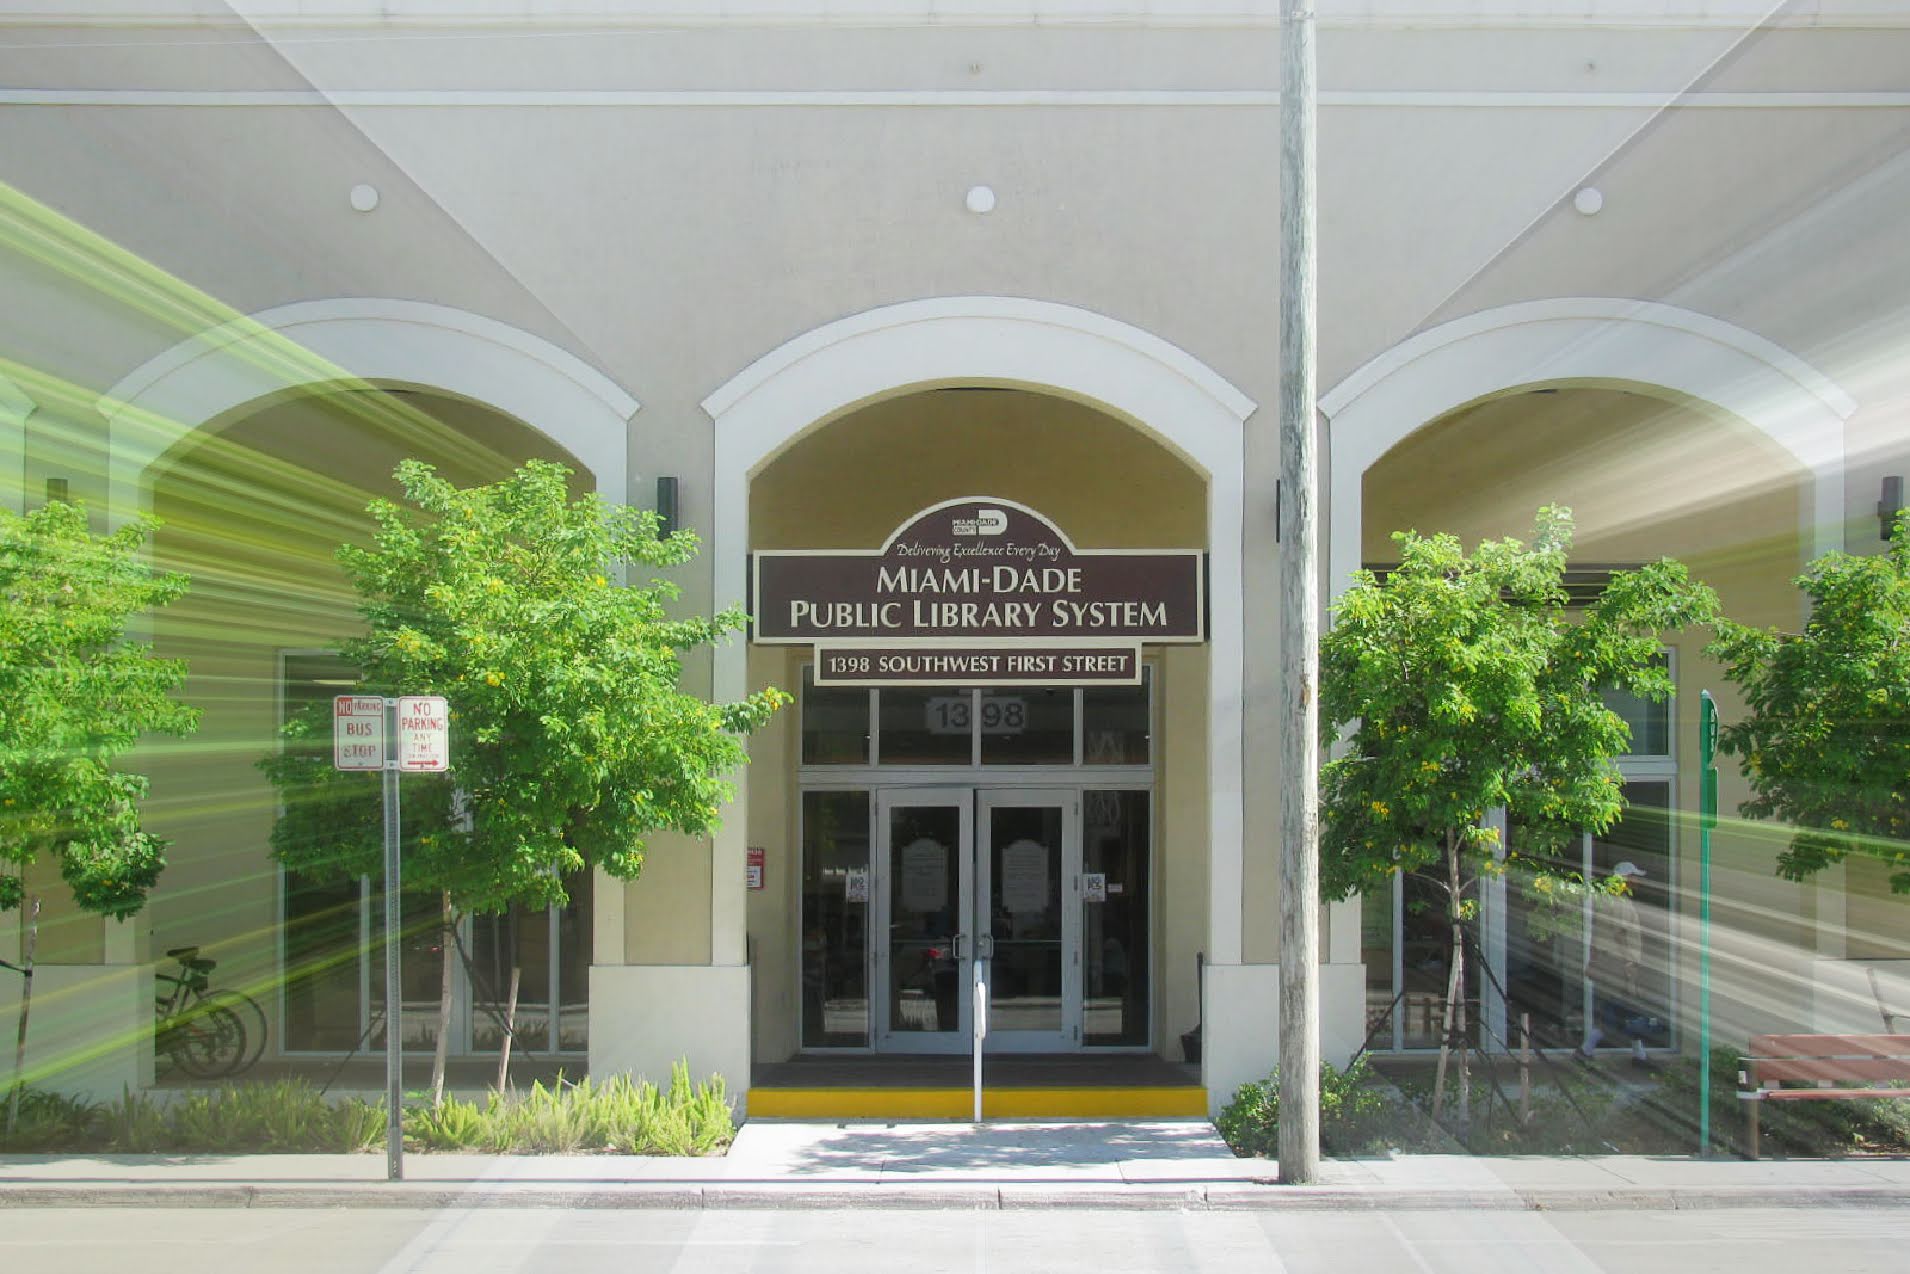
[{"x": 882, "y": 1101}]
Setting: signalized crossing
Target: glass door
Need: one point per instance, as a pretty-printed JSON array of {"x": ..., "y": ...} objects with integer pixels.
[
  {"x": 1029, "y": 860},
  {"x": 924, "y": 901}
]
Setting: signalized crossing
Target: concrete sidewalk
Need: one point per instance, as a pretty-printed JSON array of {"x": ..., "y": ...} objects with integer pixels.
[{"x": 1087, "y": 1164}]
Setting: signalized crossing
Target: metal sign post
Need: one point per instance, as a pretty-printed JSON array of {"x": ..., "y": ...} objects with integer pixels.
[
  {"x": 394, "y": 983},
  {"x": 1707, "y": 819},
  {"x": 364, "y": 727},
  {"x": 981, "y": 1029}
]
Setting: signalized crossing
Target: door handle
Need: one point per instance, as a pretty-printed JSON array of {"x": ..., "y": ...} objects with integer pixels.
[{"x": 960, "y": 944}]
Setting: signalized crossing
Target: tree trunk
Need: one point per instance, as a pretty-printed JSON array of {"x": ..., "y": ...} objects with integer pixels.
[
  {"x": 446, "y": 983},
  {"x": 26, "y": 1006},
  {"x": 1445, "y": 1035},
  {"x": 510, "y": 1023},
  {"x": 1454, "y": 1029}
]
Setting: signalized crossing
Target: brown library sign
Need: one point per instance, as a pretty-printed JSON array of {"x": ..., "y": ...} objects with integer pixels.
[{"x": 978, "y": 591}]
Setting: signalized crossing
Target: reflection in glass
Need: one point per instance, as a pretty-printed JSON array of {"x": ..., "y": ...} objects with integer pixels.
[
  {"x": 835, "y": 919},
  {"x": 1426, "y": 959},
  {"x": 323, "y": 943},
  {"x": 321, "y": 964},
  {"x": 835, "y": 724},
  {"x": 1544, "y": 952},
  {"x": 1033, "y": 726},
  {"x": 927, "y": 727},
  {"x": 925, "y": 898},
  {"x": 574, "y": 947},
  {"x": 1114, "y": 723},
  {"x": 1114, "y": 947},
  {"x": 1634, "y": 1001},
  {"x": 1650, "y": 722},
  {"x": 1024, "y": 906},
  {"x": 421, "y": 968},
  {"x": 523, "y": 932}
]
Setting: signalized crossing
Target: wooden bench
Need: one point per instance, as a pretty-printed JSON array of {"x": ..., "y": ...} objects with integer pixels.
[{"x": 1826, "y": 1063}]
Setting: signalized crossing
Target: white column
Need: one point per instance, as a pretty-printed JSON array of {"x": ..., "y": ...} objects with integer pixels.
[
  {"x": 1226, "y": 680},
  {"x": 729, "y": 552}
]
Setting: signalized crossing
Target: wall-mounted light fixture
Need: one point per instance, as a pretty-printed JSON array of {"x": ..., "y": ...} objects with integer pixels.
[
  {"x": 666, "y": 506},
  {"x": 1889, "y": 506}
]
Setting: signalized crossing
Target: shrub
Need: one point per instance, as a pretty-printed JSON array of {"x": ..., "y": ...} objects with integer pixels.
[
  {"x": 50, "y": 1121},
  {"x": 1356, "y": 1113},
  {"x": 619, "y": 1115}
]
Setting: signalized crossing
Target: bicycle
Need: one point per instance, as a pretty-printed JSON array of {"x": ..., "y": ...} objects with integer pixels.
[{"x": 203, "y": 1031}]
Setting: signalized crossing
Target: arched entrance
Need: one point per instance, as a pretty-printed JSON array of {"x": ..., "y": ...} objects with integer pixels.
[
  {"x": 874, "y": 376},
  {"x": 1053, "y": 830}
]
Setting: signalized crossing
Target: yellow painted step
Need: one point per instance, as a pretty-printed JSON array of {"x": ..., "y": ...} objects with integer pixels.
[{"x": 1163, "y": 1101}]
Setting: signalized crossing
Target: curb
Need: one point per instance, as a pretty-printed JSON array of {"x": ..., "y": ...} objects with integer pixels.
[{"x": 936, "y": 1197}]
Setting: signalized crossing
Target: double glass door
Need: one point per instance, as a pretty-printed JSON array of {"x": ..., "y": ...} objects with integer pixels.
[{"x": 969, "y": 880}]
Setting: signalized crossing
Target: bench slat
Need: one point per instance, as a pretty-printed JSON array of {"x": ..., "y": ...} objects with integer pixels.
[
  {"x": 1829, "y": 1045},
  {"x": 1822, "y": 1094},
  {"x": 1827, "y": 1058},
  {"x": 1822, "y": 1069}
]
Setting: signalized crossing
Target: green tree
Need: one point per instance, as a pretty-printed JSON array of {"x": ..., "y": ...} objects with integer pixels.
[
  {"x": 572, "y": 739},
  {"x": 1460, "y": 684},
  {"x": 1826, "y": 742},
  {"x": 75, "y": 696}
]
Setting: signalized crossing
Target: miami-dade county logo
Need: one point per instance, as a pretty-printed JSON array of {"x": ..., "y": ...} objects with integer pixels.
[{"x": 985, "y": 522}]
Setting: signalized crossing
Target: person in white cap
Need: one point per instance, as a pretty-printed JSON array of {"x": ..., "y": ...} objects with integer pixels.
[{"x": 1614, "y": 967}]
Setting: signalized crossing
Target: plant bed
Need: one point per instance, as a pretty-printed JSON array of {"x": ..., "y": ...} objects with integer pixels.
[
  {"x": 1605, "y": 1107},
  {"x": 615, "y": 1116}
]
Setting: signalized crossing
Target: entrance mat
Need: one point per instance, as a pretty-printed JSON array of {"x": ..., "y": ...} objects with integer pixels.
[{"x": 884, "y": 1102}]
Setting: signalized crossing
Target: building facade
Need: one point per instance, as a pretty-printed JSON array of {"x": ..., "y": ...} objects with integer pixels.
[{"x": 848, "y": 283}]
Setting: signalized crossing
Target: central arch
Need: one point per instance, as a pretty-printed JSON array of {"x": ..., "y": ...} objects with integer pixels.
[{"x": 1060, "y": 350}]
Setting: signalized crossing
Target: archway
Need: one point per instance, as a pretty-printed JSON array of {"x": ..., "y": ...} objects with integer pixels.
[
  {"x": 1654, "y": 348},
  {"x": 1671, "y": 434},
  {"x": 252, "y": 507},
  {"x": 364, "y": 340},
  {"x": 1071, "y": 353}
]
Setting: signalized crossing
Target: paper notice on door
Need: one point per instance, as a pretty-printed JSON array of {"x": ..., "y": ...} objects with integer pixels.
[
  {"x": 924, "y": 875},
  {"x": 1024, "y": 878},
  {"x": 855, "y": 885},
  {"x": 1094, "y": 887}
]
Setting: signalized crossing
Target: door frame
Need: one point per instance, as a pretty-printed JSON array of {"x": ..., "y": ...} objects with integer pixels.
[
  {"x": 882, "y": 1033},
  {"x": 1066, "y": 1039}
]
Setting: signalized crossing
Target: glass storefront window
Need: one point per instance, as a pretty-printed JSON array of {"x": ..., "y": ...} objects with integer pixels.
[
  {"x": 525, "y": 934},
  {"x": 1650, "y": 722},
  {"x": 1114, "y": 723},
  {"x": 927, "y": 727},
  {"x": 835, "y": 919},
  {"x": 322, "y": 1001},
  {"x": 1641, "y": 837},
  {"x": 1034, "y": 726},
  {"x": 835, "y": 724}
]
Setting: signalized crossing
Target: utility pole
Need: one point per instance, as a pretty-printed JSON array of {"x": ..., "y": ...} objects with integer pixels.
[{"x": 1299, "y": 611}]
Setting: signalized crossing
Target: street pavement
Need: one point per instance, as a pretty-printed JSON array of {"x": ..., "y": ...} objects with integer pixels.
[
  {"x": 1127, "y": 1165},
  {"x": 860, "y": 1241}
]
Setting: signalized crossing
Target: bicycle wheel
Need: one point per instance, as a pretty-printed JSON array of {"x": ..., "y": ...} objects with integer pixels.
[
  {"x": 251, "y": 1018},
  {"x": 206, "y": 1041}
]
